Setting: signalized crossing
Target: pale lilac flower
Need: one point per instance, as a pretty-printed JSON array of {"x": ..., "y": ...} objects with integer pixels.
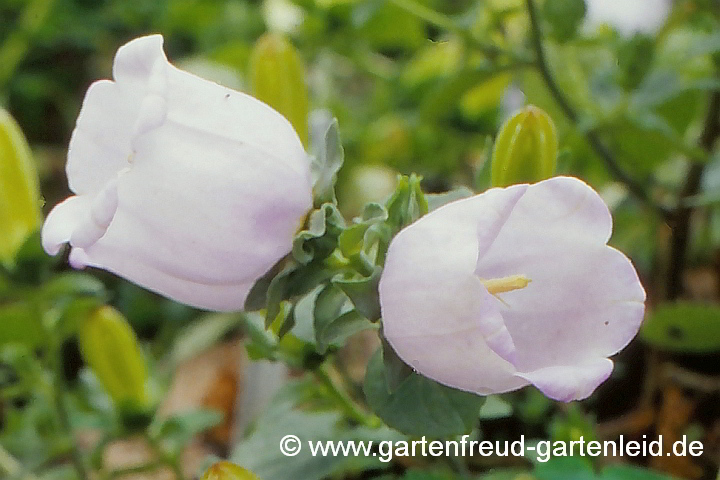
[
  {"x": 512, "y": 287},
  {"x": 181, "y": 185}
]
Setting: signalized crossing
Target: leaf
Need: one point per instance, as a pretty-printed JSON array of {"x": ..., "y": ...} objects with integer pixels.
[
  {"x": 260, "y": 451},
  {"x": 437, "y": 200},
  {"x": 684, "y": 327},
  {"x": 201, "y": 335},
  {"x": 178, "y": 429},
  {"x": 21, "y": 323},
  {"x": 420, "y": 406},
  {"x": 363, "y": 292},
  {"x": 628, "y": 472},
  {"x": 327, "y": 158}
]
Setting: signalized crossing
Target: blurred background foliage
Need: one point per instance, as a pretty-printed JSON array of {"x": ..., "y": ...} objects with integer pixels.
[{"x": 417, "y": 86}]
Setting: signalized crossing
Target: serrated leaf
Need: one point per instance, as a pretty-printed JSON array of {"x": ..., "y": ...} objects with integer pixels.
[
  {"x": 259, "y": 452},
  {"x": 363, "y": 292},
  {"x": 437, "y": 200},
  {"x": 328, "y": 156},
  {"x": 684, "y": 327},
  {"x": 420, "y": 406}
]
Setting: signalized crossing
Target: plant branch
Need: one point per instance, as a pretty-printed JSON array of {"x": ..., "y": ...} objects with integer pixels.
[
  {"x": 592, "y": 137},
  {"x": 681, "y": 216}
]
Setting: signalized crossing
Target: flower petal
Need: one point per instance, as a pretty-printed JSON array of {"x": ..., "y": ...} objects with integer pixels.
[
  {"x": 433, "y": 302},
  {"x": 62, "y": 221},
  {"x": 226, "y": 297},
  {"x": 585, "y": 298},
  {"x": 568, "y": 383}
]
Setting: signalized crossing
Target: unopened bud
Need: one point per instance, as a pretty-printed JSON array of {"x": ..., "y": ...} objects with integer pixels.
[
  {"x": 111, "y": 350},
  {"x": 228, "y": 471},
  {"x": 277, "y": 77},
  {"x": 19, "y": 191},
  {"x": 525, "y": 148}
]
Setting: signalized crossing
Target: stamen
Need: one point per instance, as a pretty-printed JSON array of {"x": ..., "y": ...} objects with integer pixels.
[{"x": 505, "y": 284}]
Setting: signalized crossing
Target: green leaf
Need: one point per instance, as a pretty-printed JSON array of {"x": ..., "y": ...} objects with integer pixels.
[
  {"x": 628, "y": 472},
  {"x": 564, "y": 16},
  {"x": 260, "y": 452},
  {"x": 564, "y": 468},
  {"x": 202, "y": 334},
  {"x": 683, "y": 327},
  {"x": 178, "y": 429},
  {"x": 420, "y": 406},
  {"x": 327, "y": 159},
  {"x": 363, "y": 292},
  {"x": 320, "y": 238},
  {"x": 21, "y": 323},
  {"x": 437, "y": 200}
]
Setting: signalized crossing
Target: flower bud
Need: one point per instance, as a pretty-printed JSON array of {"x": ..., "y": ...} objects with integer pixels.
[
  {"x": 228, "y": 471},
  {"x": 525, "y": 148},
  {"x": 19, "y": 192},
  {"x": 277, "y": 76},
  {"x": 110, "y": 348}
]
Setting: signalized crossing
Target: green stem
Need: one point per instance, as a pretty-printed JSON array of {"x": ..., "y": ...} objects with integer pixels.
[
  {"x": 164, "y": 457},
  {"x": 349, "y": 407},
  {"x": 59, "y": 386},
  {"x": 591, "y": 135}
]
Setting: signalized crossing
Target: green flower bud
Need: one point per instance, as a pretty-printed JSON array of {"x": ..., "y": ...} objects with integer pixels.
[
  {"x": 111, "y": 350},
  {"x": 19, "y": 191},
  {"x": 228, "y": 471},
  {"x": 277, "y": 77},
  {"x": 525, "y": 149}
]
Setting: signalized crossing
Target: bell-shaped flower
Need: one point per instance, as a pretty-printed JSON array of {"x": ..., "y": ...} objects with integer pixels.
[
  {"x": 181, "y": 185},
  {"x": 512, "y": 287}
]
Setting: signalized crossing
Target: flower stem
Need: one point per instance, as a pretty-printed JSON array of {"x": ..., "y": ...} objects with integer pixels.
[
  {"x": 349, "y": 407},
  {"x": 591, "y": 135}
]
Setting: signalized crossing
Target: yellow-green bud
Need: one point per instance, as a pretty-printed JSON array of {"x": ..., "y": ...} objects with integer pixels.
[
  {"x": 277, "y": 77},
  {"x": 525, "y": 148},
  {"x": 19, "y": 191},
  {"x": 228, "y": 471},
  {"x": 111, "y": 350}
]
